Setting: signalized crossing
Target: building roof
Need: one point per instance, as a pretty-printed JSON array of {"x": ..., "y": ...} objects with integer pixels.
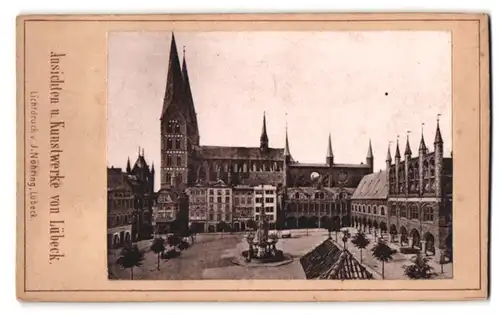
[
  {"x": 328, "y": 261},
  {"x": 240, "y": 153},
  {"x": 324, "y": 165},
  {"x": 372, "y": 186},
  {"x": 346, "y": 268}
]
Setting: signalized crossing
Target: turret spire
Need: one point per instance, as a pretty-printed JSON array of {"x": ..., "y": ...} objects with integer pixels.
[
  {"x": 397, "y": 155},
  {"x": 408, "y": 149},
  {"x": 329, "y": 151},
  {"x": 264, "y": 141},
  {"x": 369, "y": 155},
  {"x": 286, "y": 153},
  {"x": 422, "y": 147},
  {"x": 389, "y": 157},
  {"x": 129, "y": 169},
  {"x": 439, "y": 139}
]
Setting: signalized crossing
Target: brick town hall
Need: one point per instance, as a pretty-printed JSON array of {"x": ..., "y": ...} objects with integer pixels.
[{"x": 225, "y": 187}]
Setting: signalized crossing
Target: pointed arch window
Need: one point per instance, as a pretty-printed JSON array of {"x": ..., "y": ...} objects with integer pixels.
[
  {"x": 177, "y": 127},
  {"x": 178, "y": 144},
  {"x": 169, "y": 160},
  {"x": 179, "y": 160},
  {"x": 169, "y": 143}
]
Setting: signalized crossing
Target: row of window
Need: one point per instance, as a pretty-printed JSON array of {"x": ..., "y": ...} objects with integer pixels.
[
  {"x": 242, "y": 200},
  {"x": 120, "y": 220},
  {"x": 173, "y": 144},
  {"x": 219, "y": 199},
  {"x": 267, "y": 192},
  {"x": 318, "y": 195},
  {"x": 219, "y": 206},
  {"x": 173, "y": 126},
  {"x": 174, "y": 160},
  {"x": 266, "y": 167},
  {"x": 258, "y": 200},
  {"x": 121, "y": 203},
  {"x": 305, "y": 207},
  {"x": 368, "y": 209},
  {"x": 214, "y": 217},
  {"x": 219, "y": 192},
  {"x": 266, "y": 209},
  {"x": 413, "y": 213}
]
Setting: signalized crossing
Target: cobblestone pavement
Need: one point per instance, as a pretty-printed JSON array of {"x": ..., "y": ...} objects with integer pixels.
[{"x": 211, "y": 257}]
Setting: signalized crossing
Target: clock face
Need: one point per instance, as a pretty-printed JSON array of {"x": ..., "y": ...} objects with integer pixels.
[{"x": 342, "y": 177}]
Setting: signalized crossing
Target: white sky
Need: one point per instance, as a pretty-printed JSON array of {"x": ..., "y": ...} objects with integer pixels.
[{"x": 319, "y": 82}]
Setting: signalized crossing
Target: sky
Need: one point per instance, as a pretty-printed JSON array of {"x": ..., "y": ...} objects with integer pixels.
[{"x": 355, "y": 85}]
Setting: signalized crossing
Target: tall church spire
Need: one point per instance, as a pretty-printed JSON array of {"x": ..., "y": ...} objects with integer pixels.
[
  {"x": 264, "y": 141},
  {"x": 287, "y": 148},
  {"x": 174, "y": 88},
  {"x": 191, "y": 113}
]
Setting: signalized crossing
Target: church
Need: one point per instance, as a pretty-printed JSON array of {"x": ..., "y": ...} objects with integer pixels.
[{"x": 306, "y": 194}]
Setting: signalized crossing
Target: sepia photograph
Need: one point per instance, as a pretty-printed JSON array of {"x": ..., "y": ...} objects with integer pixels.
[{"x": 248, "y": 155}]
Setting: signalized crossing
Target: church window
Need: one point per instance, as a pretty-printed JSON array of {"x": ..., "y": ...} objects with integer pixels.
[
  {"x": 245, "y": 167},
  {"x": 428, "y": 214},
  {"x": 402, "y": 212},
  {"x": 393, "y": 210},
  {"x": 414, "y": 212},
  {"x": 169, "y": 160},
  {"x": 168, "y": 177},
  {"x": 178, "y": 144},
  {"x": 179, "y": 160},
  {"x": 169, "y": 143},
  {"x": 382, "y": 211},
  {"x": 235, "y": 168},
  {"x": 254, "y": 167},
  {"x": 177, "y": 128}
]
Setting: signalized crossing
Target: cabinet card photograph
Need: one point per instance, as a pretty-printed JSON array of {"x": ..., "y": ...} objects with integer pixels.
[{"x": 253, "y": 157}]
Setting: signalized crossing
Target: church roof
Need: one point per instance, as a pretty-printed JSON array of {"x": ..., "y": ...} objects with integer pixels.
[
  {"x": 259, "y": 178},
  {"x": 240, "y": 153},
  {"x": 324, "y": 165},
  {"x": 372, "y": 186}
]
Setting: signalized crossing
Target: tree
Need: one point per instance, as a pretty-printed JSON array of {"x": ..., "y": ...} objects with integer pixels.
[
  {"x": 345, "y": 237},
  {"x": 419, "y": 269},
  {"x": 130, "y": 257},
  {"x": 382, "y": 253},
  {"x": 158, "y": 246},
  {"x": 360, "y": 241},
  {"x": 252, "y": 224},
  {"x": 336, "y": 228},
  {"x": 328, "y": 224}
]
